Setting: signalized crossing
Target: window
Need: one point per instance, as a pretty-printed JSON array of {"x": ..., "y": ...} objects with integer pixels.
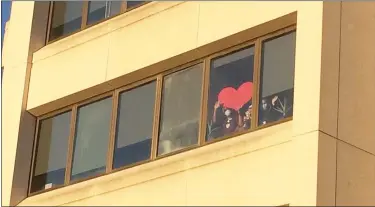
[
  {"x": 180, "y": 110},
  {"x": 51, "y": 152},
  {"x": 99, "y": 10},
  {"x": 277, "y": 78},
  {"x": 134, "y": 125},
  {"x": 91, "y": 139},
  {"x": 229, "y": 92},
  {"x": 68, "y": 17}
]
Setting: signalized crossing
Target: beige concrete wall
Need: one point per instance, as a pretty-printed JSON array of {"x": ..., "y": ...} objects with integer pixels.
[
  {"x": 356, "y": 125},
  {"x": 15, "y": 62},
  {"x": 273, "y": 166}
]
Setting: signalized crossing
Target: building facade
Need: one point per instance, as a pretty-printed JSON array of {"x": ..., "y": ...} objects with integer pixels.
[{"x": 189, "y": 103}]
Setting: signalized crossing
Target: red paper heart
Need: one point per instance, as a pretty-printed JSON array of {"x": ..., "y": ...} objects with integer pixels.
[{"x": 235, "y": 99}]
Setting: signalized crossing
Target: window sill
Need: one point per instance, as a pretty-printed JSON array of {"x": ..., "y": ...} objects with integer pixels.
[{"x": 212, "y": 153}]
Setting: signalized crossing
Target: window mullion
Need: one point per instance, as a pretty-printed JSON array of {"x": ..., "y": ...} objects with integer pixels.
[
  {"x": 49, "y": 23},
  {"x": 85, "y": 13},
  {"x": 112, "y": 132},
  {"x": 33, "y": 161},
  {"x": 204, "y": 101},
  {"x": 71, "y": 145},
  {"x": 155, "y": 130},
  {"x": 256, "y": 83},
  {"x": 124, "y": 6}
]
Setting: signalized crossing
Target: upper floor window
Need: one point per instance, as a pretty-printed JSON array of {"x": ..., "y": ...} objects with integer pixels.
[
  {"x": 231, "y": 92},
  {"x": 70, "y": 16}
]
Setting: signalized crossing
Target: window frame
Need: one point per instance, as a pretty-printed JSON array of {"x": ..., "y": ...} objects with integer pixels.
[
  {"x": 84, "y": 16},
  {"x": 205, "y": 61}
]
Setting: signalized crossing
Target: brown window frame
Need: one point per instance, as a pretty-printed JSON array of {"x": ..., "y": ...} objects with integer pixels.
[
  {"x": 206, "y": 66},
  {"x": 84, "y": 14}
]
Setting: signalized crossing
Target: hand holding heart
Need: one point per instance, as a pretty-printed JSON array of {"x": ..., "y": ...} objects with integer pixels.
[{"x": 235, "y": 99}]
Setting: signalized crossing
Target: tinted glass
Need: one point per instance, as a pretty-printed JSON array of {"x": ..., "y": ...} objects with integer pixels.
[
  {"x": 99, "y": 10},
  {"x": 91, "y": 139},
  {"x": 277, "y": 79},
  {"x": 51, "y": 152},
  {"x": 180, "y": 110},
  {"x": 134, "y": 125},
  {"x": 230, "y": 93},
  {"x": 66, "y": 18},
  {"x": 114, "y": 7},
  {"x": 132, "y": 4},
  {"x": 96, "y": 11}
]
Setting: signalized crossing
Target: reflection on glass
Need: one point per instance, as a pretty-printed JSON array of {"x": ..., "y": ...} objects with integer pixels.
[
  {"x": 99, "y": 10},
  {"x": 277, "y": 79},
  {"x": 230, "y": 93},
  {"x": 134, "y": 125},
  {"x": 114, "y": 7},
  {"x": 51, "y": 153},
  {"x": 91, "y": 139},
  {"x": 180, "y": 110},
  {"x": 66, "y": 18}
]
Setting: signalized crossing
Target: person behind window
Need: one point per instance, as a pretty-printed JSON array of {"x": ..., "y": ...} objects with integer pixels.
[{"x": 224, "y": 121}]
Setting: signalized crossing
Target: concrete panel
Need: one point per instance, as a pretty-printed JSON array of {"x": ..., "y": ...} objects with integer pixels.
[
  {"x": 159, "y": 37},
  {"x": 357, "y": 75},
  {"x": 355, "y": 176},
  {"x": 326, "y": 181},
  {"x": 272, "y": 176},
  {"x": 330, "y": 68},
  {"x": 70, "y": 71},
  {"x": 12, "y": 92},
  {"x": 17, "y": 49}
]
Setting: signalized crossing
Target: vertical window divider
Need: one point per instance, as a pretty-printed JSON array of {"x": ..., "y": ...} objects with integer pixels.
[
  {"x": 204, "y": 101},
  {"x": 124, "y": 5},
  {"x": 49, "y": 21},
  {"x": 157, "y": 109},
  {"x": 112, "y": 131},
  {"x": 256, "y": 80},
  {"x": 69, "y": 159},
  {"x": 35, "y": 143},
  {"x": 85, "y": 13}
]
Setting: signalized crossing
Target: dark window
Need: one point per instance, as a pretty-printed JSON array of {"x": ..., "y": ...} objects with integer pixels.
[
  {"x": 51, "y": 152},
  {"x": 66, "y": 18},
  {"x": 277, "y": 78},
  {"x": 230, "y": 93},
  {"x": 180, "y": 110},
  {"x": 91, "y": 139},
  {"x": 132, "y": 4},
  {"x": 99, "y": 10},
  {"x": 134, "y": 125}
]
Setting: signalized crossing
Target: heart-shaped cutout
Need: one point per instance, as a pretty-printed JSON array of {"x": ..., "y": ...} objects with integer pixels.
[{"x": 235, "y": 99}]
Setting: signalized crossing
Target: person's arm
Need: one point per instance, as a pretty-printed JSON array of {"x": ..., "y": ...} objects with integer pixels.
[
  {"x": 216, "y": 106},
  {"x": 240, "y": 119}
]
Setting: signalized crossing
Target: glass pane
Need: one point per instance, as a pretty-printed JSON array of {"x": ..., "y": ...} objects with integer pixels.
[
  {"x": 97, "y": 11},
  {"x": 180, "y": 110},
  {"x": 66, "y": 18},
  {"x": 91, "y": 139},
  {"x": 114, "y": 7},
  {"x": 134, "y": 125},
  {"x": 51, "y": 153},
  {"x": 132, "y": 4},
  {"x": 230, "y": 93},
  {"x": 277, "y": 79}
]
